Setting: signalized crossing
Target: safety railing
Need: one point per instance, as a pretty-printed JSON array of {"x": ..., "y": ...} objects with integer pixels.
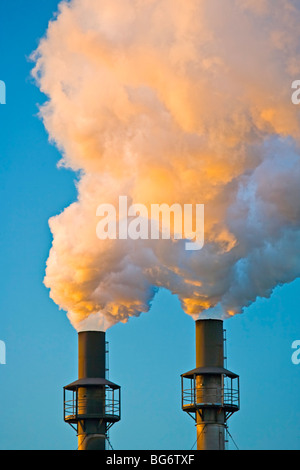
[
  {"x": 93, "y": 405},
  {"x": 198, "y": 396}
]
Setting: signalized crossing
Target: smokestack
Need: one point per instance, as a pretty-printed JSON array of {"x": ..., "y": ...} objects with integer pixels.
[
  {"x": 210, "y": 393},
  {"x": 209, "y": 343},
  {"x": 91, "y": 364},
  {"x": 95, "y": 402},
  {"x": 91, "y": 354}
]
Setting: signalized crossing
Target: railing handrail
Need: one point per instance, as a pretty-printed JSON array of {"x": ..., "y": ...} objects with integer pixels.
[
  {"x": 111, "y": 406},
  {"x": 227, "y": 395}
]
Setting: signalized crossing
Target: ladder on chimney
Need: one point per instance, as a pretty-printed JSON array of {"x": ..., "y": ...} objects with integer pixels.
[{"x": 225, "y": 348}]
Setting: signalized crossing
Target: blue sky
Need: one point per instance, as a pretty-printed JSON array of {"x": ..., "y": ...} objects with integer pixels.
[{"x": 148, "y": 354}]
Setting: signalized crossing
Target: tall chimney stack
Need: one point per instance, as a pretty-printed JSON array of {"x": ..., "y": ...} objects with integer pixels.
[
  {"x": 91, "y": 354},
  {"x": 94, "y": 405},
  {"x": 210, "y": 393}
]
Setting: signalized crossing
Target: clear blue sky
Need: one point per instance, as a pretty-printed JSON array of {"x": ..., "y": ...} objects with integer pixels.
[{"x": 148, "y": 354}]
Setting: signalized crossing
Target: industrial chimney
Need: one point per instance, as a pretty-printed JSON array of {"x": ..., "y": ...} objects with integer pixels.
[
  {"x": 210, "y": 393},
  {"x": 92, "y": 403}
]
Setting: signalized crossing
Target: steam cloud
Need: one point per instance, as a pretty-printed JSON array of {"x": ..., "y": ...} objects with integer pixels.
[{"x": 171, "y": 101}]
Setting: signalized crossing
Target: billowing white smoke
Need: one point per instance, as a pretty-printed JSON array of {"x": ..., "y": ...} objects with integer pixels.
[{"x": 171, "y": 101}]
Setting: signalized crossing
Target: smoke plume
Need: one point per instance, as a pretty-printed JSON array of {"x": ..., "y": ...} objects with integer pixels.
[{"x": 171, "y": 101}]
